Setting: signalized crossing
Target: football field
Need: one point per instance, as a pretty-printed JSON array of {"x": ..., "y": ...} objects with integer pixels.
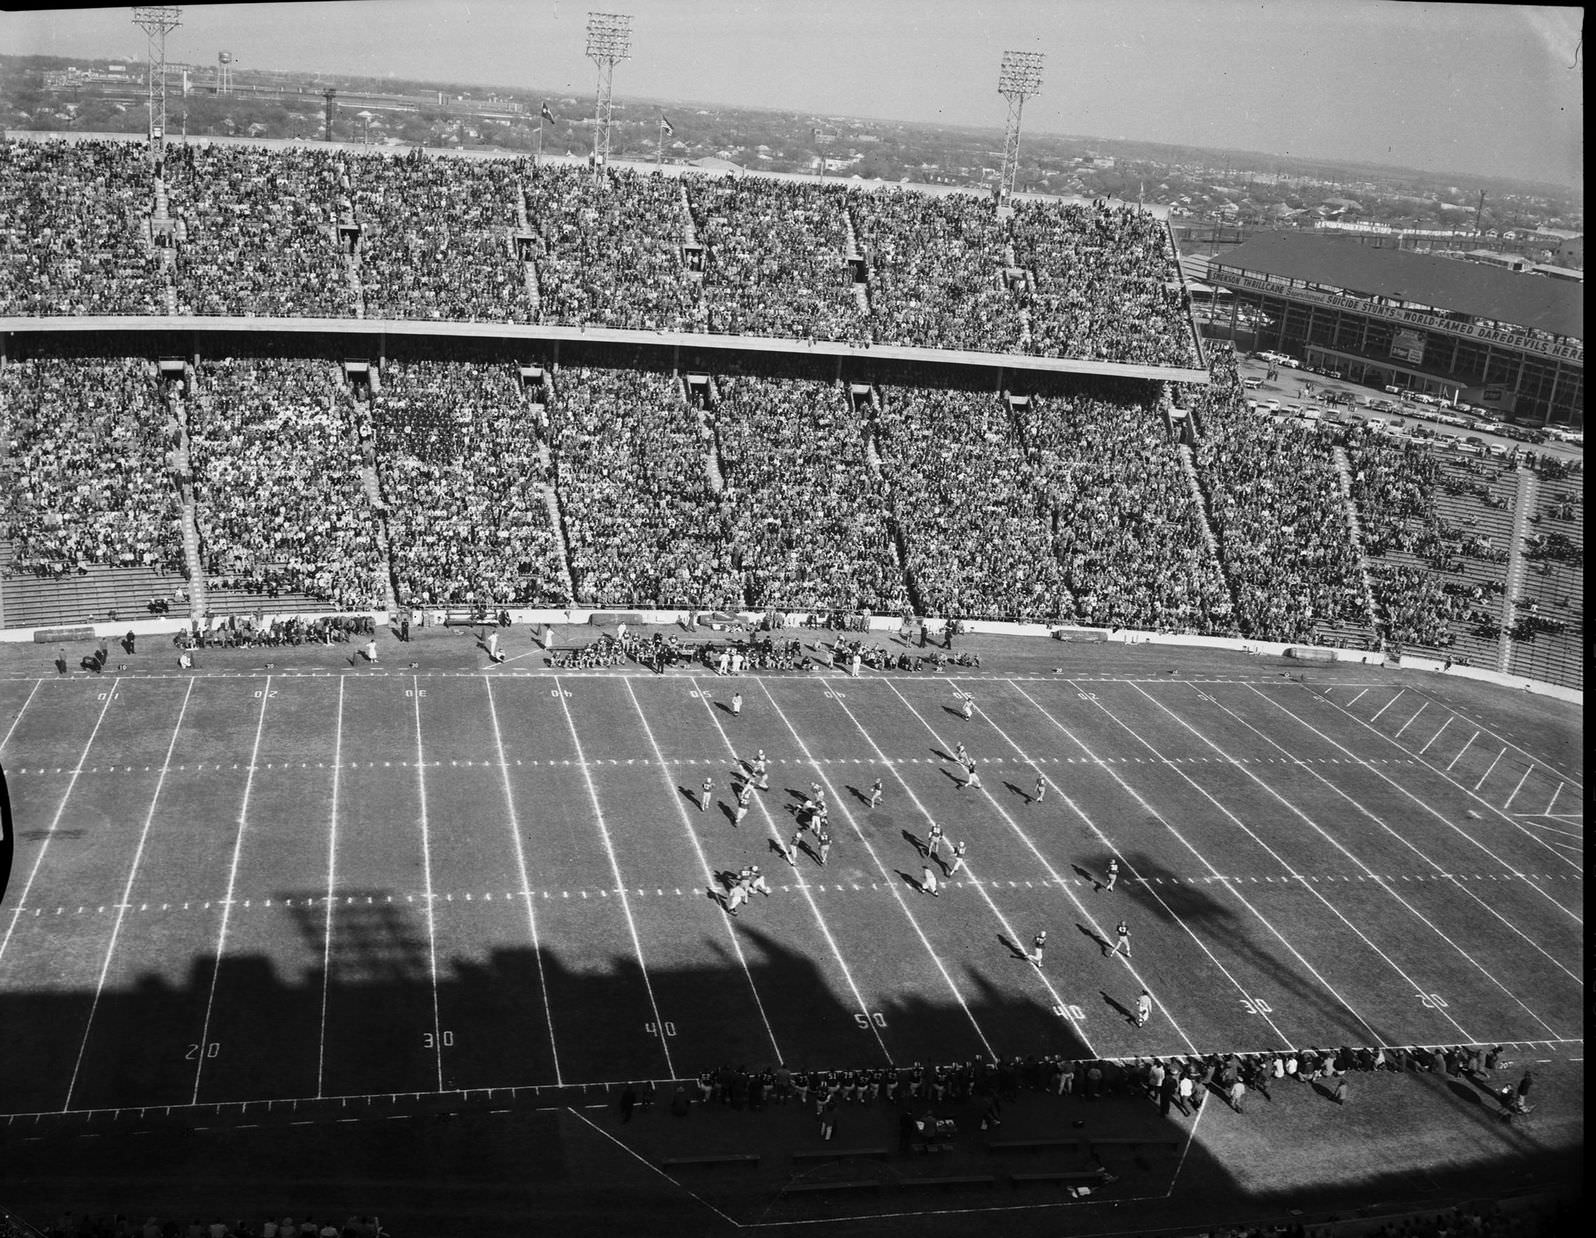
[{"x": 281, "y": 886}]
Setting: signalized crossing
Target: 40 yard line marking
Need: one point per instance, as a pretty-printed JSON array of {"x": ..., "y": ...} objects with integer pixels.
[
  {"x": 125, "y": 901},
  {"x": 232, "y": 877},
  {"x": 332, "y": 856},
  {"x": 526, "y": 882},
  {"x": 615, "y": 871}
]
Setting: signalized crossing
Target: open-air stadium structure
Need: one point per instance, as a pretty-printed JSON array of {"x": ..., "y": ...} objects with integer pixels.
[{"x": 292, "y": 912}]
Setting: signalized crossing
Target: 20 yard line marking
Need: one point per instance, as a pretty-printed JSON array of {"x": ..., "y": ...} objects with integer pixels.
[
  {"x": 55, "y": 821},
  {"x": 803, "y": 886},
  {"x": 332, "y": 856},
  {"x": 232, "y": 878},
  {"x": 125, "y": 902},
  {"x": 615, "y": 871},
  {"x": 709, "y": 873},
  {"x": 426, "y": 868},
  {"x": 526, "y": 882}
]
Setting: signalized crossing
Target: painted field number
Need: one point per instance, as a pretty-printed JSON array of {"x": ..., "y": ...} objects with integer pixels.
[
  {"x": 1203, "y": 696},
  {"x": 415, "y": 692},
  {"x": 211, "y": 1050},
  {"x": 1074, "y": 1013},
  {"x": 430, "y": 1041},
  {"x": 1087, "y": 696},
  {"x": 558, "y": 692},
  {"x": 835, "y": 696},
  {"x": 267, "y": 693},
  {"x": 1431, "y": 1001},
  {"x": 1256, "y": 1005},
  {"x": 865, "y": 1020},
  {"x": 653, "y": 1029}
]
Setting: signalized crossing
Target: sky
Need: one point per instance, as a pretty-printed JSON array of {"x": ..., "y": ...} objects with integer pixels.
[{"x": 1464, "y": 88}]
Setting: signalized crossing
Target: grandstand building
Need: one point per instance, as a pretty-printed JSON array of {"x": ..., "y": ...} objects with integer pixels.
[{"x": 1511, "y": 343}]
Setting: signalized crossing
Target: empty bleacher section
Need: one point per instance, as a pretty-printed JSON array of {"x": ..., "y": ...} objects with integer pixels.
[
  {"x": 460, "y": 469},
  {"x": 280, "y": 503},
  {"x": 1549, "y": 641}
]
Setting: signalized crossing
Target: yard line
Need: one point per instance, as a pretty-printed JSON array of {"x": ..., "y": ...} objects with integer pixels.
[
  {"x": 1388, "y": 704},
  {"x": 615, "y": 871},
  {"x": 1471, "y": 794},
  {"x": 1449, "y": 720},
  {"x": 803, "y": 886},
  {"x": 232, "y": 877},
  {"x": 886, "y": 873},
  {"x": 1357, "y": 698},
  {"x": 1441, "y": 818},
  {"x": 1336, "y": 843},
  {"x": 1551, "y": 803},
  {"x": 426, "y": 869},
  {"x": 44, "y": 847},
  {"x": 1232, "y": 886},
  {"x": 1489, "y": 768},
  {"x": 332, "y": 858},
  {"x": 1553, "y": 829},
  {"x": 1130, "y": 870},
  {"x": 125, "y": 901},
  {"x": 693, "y": 1195},
  {"x": 526, "y": 882},
  {"x": 20, "y": 712},
  {"x": 1532, "y": 757},
  {"x": 703, "y": 863},
  {"x": 980, "y": 886},
  {"x": 1527, "y": 772},
  {"x": 1411, "y": 720},
  {"x": 1460, "y": 752}
]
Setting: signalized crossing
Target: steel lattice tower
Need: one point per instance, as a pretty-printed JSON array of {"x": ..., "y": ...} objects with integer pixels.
[
  {"x": 609, "y": 40},
  {"x": 157, "y": 20},
  {"x": 1019, "y": 77},
  {"x": 224, "y": 73}
]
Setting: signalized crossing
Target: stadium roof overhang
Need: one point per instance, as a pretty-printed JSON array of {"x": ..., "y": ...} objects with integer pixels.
[{"x": 369, "y": 327}]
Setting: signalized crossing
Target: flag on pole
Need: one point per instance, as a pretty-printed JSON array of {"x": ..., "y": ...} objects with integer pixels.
[
  {"x": 665, "y": 124},
  {"x": 548, "y": 115}
]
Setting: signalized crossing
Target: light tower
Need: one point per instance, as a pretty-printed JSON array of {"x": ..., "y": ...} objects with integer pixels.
[
  {"x": 157, "y": 21},
  {"x": 609, "y": 40},
  {"x": 1019, "y": 77},
  {"x": 224, "y": 73}
]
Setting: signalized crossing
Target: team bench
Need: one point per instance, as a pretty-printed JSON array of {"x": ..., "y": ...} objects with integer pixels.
[
  {"x": 750, "y": 1159},
  {"x": 840, "y": 1154},
  {"x": 1085, "y": 1176},
  {"x": 971, "y": 1180},
  {"x": 1032, "y": 1145},
  {"x": 825, "y": 1188}
]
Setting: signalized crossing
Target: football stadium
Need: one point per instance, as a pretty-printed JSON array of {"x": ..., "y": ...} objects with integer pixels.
[{"x": 551, "y": 695}]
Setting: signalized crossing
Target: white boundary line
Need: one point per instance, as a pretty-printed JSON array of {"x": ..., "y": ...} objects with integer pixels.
[
  {"x": 38, "y": 859},
  {"x": 12, "y": 728},
  {"x": 1130, "y": 869},
  {"x": 332, "y": 859},
  {"x": 798, "y": 879},
  {"x": 1384, "y": 777},
  {"x": 1552, "y": 829},
  {"x": 526, "y": 881},
  {"x": 980, "y": 886},
  {"x": 124, "y": 904},
  {"x": 691, "y": 1194},
  {"x": 1232, "y": 886},
  {"x": 426, "y": 870},
  {"x": 615, "y": 871},
  {"x": 887, "y": 876},
  {"x": 709, "y": 873},
  {"x": 232, "y": 877}
]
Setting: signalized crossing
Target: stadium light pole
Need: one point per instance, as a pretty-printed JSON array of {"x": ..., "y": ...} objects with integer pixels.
[
  {"x": 157, "y": 21},
  {"x": 609, "y": 41},
  {"x": 1019, "y": 77}
]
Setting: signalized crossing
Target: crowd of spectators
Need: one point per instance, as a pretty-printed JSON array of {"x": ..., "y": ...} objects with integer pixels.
[
  {"x": 258, "y": 231},
  {"x": 458, "y": 459},
  {"x": 808, "y": 517},
  {"x": 280, "y": 501},
  {"x": 91, "y": 447},
  {"x": 1127, "y": 527},
  {"x": 82, "y": 1225},
  {"x": 74, "y": 229},
  {"x": 642, "y": 525},
  {"x": 976, "y": 526},
  {"x": 1276, "y": 506}
]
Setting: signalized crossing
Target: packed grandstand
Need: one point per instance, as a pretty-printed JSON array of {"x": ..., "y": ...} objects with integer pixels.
[{"x": 506, "y": 472}]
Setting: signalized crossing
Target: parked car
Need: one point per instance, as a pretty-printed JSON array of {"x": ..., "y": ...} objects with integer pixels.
[{"x": 1252, "y": 384}]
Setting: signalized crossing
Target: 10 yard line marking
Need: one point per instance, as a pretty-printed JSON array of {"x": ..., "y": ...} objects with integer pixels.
[
  {"x": 709, "y": 872},
  {"x": 332, "y": 856},
  {"x": 122, "y": 907},
  {"x": 615, "y": 871},
  {"x": 232, "y": 877},
  {"x": 426, "y": 868},
  {"x": 60, "y": 808},
  {"x": 526, "y": 883}
]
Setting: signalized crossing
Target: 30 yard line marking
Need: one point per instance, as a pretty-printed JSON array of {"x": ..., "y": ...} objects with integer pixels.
[
  {"x": 615, "y": 871},
  {"x": 332, "y": 858},
  {"x": 803, "y": 886},
  {"x": 125, "y": 901},
  {"x": 526, "y": 881},
  {"x": 426, "y": 869},
  {"x": 709, "y": 873},
  {"x": 20, "y": 712},
  {"x": 981, "y": 889},
  {"x": 886, "y": 873},
  {"x": 232, "y": 878},
  {"x": 44, "y": 847}
]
